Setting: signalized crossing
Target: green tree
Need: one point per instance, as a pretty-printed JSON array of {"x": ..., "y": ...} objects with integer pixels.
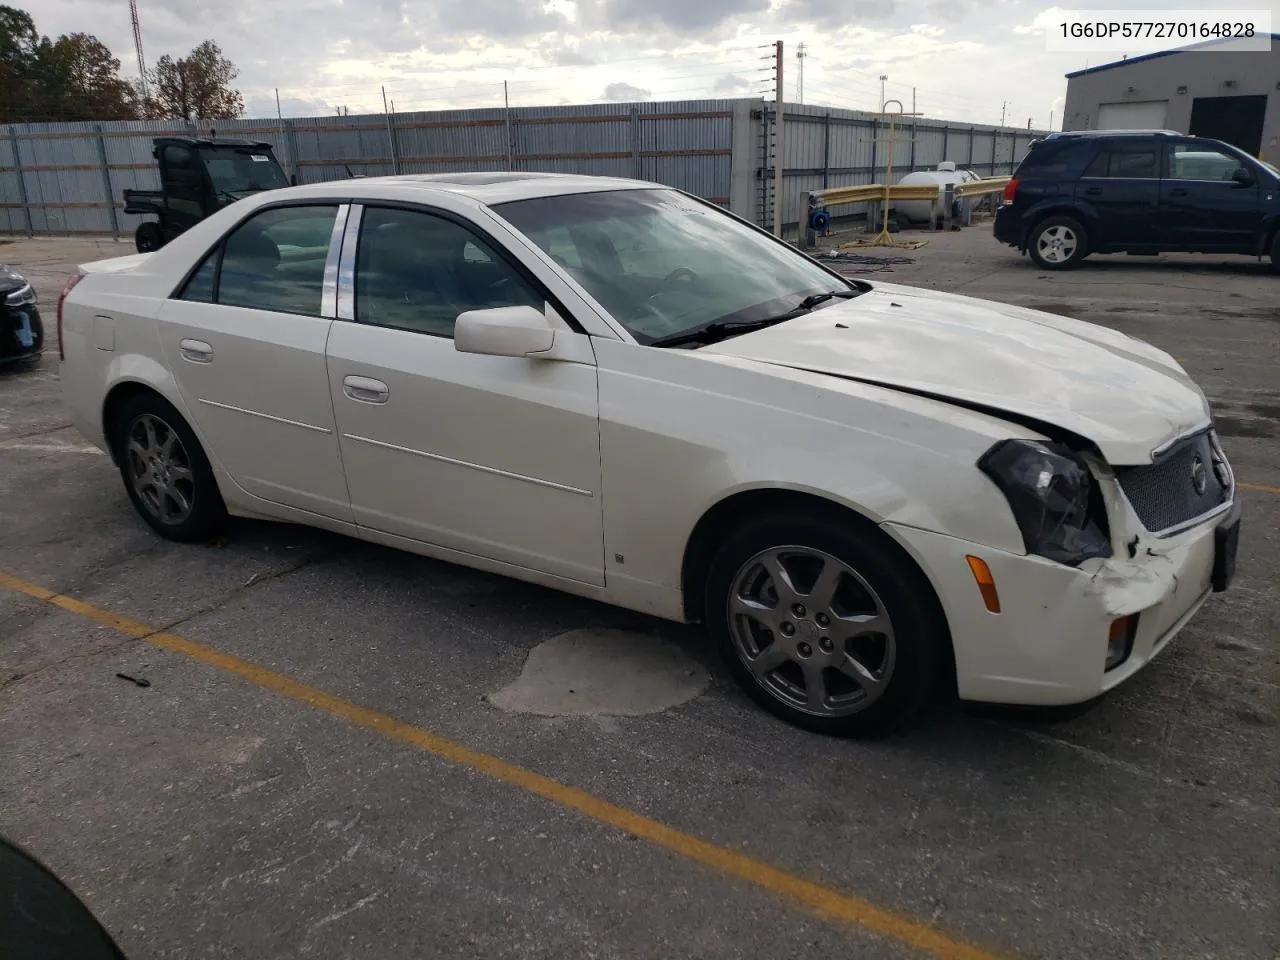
[
  {"x": 73, "y": 77},
  {"x": 18, "y": 43},
  {"x": 195, "y": 87},
  {"x": 80, "y": 80}
]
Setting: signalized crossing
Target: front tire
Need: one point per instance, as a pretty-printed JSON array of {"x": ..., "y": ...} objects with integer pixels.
[
  {"x": 1275, "y": 253},
  {"x": 165, "y": 472},
  {"x": 1058, "y": 243},
  {"x": 828, "y": 625}
]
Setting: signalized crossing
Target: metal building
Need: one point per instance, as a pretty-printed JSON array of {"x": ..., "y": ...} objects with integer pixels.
[{"x": 1229, "y": 95}]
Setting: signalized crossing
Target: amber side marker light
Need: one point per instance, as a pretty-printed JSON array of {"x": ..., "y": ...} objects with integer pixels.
[
  {"x": 1120, "y": 640},
  {"x": 986, "y": 583}
]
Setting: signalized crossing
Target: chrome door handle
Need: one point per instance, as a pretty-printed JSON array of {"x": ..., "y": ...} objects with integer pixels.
[
  {"x": 197, "y": 351},
  {"x": 366, "y": 390}
]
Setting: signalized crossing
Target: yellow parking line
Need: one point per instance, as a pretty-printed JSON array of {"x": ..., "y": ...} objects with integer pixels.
[
  {"x": 1259, "y": 487},
  {"x": 826, "y": 901}
]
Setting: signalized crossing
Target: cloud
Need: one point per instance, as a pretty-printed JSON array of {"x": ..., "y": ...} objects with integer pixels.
[
  {"x": 625, "y": 91},
  {"x": 677, "y": 16},
  {"x": 731, "y": 84},
  {"x": 839, "y": 12}
]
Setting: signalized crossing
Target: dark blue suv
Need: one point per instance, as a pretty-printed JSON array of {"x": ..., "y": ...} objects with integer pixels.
[{"x": 1141, "y": 192}]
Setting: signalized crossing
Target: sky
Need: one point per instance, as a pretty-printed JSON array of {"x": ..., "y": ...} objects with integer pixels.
[{"x": 964, "y": 60}]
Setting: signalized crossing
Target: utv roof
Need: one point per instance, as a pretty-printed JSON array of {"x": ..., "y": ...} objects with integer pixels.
[{"x": 210, "y": 142}]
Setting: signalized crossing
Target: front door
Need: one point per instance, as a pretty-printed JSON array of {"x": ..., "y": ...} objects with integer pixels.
[
  {"x": 496, "y": 457},
  {"x": 1202, "y": 207},
  {"x": 183, "y": 187},
  {"x": 1120, "y": 191},
  {"x": 245, "y": 339}
]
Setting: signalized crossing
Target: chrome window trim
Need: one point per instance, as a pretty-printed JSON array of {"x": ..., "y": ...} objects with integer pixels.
[
  {"x": 347, "y": 265},
  {"x": 329, "y": 290}
]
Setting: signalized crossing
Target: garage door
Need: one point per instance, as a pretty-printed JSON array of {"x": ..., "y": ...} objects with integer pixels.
[{"x": 1139, "y": 115}]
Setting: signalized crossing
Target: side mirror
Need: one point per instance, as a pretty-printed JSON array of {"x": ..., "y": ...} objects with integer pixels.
[
  {"x": 1242, "y": 177},
  {"x": 504, "y": 332}
]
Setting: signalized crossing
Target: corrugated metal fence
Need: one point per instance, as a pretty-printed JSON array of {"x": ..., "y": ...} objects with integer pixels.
[{"x": 69, "y": 178}]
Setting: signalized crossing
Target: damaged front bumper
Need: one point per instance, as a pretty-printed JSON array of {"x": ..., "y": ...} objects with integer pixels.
[{"x": 1048, "y": 644}]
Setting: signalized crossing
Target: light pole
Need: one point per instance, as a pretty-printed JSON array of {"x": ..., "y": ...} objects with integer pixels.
[{"x": 883, "y": 78}]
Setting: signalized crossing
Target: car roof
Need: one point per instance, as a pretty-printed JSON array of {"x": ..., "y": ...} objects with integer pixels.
[
  {"x": 1071, "y": 134},
  {"x": 485, "y": 187}
]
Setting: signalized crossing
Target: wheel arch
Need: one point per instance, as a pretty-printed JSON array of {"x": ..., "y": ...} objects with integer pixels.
[
  {"x": 124, "y": 388},
  {"x": 727, "y": 514}
]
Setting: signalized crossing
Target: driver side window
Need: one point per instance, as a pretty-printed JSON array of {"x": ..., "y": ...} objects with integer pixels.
[{"x": 417, "y": 271}]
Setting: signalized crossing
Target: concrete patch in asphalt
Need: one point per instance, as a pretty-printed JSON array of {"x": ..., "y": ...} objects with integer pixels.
[{"x": 603, "y": 672}]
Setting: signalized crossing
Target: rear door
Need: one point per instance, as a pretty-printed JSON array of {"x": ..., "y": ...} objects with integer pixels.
[
  {"x": 1120, "y": 192},
  {"x": 245, "y": 338},
  {"x": 1202, "y": 207}
]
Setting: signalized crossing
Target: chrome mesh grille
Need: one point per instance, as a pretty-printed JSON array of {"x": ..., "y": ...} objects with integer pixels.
[{"x": 1164, "y": 494}]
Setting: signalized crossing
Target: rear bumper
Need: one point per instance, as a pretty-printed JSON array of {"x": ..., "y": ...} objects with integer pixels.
[
  {"x": 1007, "y": 227},
  {"x": 1047, "y": 646}
]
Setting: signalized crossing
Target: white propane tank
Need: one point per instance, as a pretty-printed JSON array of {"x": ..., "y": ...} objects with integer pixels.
[{"x": 919, "y": 211}]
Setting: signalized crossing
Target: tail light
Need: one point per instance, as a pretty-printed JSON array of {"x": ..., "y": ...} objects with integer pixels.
[
  {"x": 1010, "y": 189},
  {"x": 71, "y": 282}
]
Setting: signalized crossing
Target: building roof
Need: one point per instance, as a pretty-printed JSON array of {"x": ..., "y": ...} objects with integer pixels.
[{"x": 1161, "y": 53}]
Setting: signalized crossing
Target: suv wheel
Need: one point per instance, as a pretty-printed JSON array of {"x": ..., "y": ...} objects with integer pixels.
[
  {"x": 1275, "y": 252},
  {"x": 1058, "y": 243}
]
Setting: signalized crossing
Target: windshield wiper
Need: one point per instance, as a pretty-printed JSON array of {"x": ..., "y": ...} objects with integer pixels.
[{"x": 715, "y": 332}]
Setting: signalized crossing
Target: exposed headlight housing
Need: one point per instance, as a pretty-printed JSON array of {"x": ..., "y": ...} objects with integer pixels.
[
  {"x": 1054, "y": 499},
  {"x": 20, "y": 296}
]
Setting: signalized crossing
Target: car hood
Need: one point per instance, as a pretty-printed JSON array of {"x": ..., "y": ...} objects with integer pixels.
[{"x": 1124, "y": 395}]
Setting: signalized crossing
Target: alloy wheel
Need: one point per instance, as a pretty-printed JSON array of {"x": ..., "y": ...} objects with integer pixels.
[
  {"x": 1057, "y": 244},
  {"x": 812, "y": 631},
  {"x": 160, "y": 469}
]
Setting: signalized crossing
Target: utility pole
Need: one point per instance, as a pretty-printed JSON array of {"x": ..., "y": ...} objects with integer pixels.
[
  {"x": 391, "y": 136},
  {"x": 1004, "y": 106},
  {"x": 1050, "y": 121},
  {"x": 801, "y": 53},
  {"x": 778, "y": 136},
  {"x": 506, "y": 113},
  {"x": 883, "y": 78},
  {"x": 913, "y": 101}
]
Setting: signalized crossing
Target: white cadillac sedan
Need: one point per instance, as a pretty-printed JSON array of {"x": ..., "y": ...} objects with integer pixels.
[{"x": 869, "y": 494}]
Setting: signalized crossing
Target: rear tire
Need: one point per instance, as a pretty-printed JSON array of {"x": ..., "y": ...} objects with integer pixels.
[
  {"x": 1275, "y": 253},
  {"x": 165, "y": 472},
  {"x": 828, "y": 625},
  {"x": 148, "y": 238},
  {"x": 1058, "y": 243}
]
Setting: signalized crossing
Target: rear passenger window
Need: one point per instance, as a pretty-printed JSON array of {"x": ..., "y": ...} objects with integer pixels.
[
  {"x": 1137, "y": 164},
  {"x": 1050, "y": 160},
  {"x": 199, "y": 286},
  {"x": 275, "y": 260}
]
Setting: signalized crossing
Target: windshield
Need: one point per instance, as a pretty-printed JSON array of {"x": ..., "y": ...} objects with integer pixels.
[
  {"x": 665, "y": 264},
  {"x": 242, "y": 170}
]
